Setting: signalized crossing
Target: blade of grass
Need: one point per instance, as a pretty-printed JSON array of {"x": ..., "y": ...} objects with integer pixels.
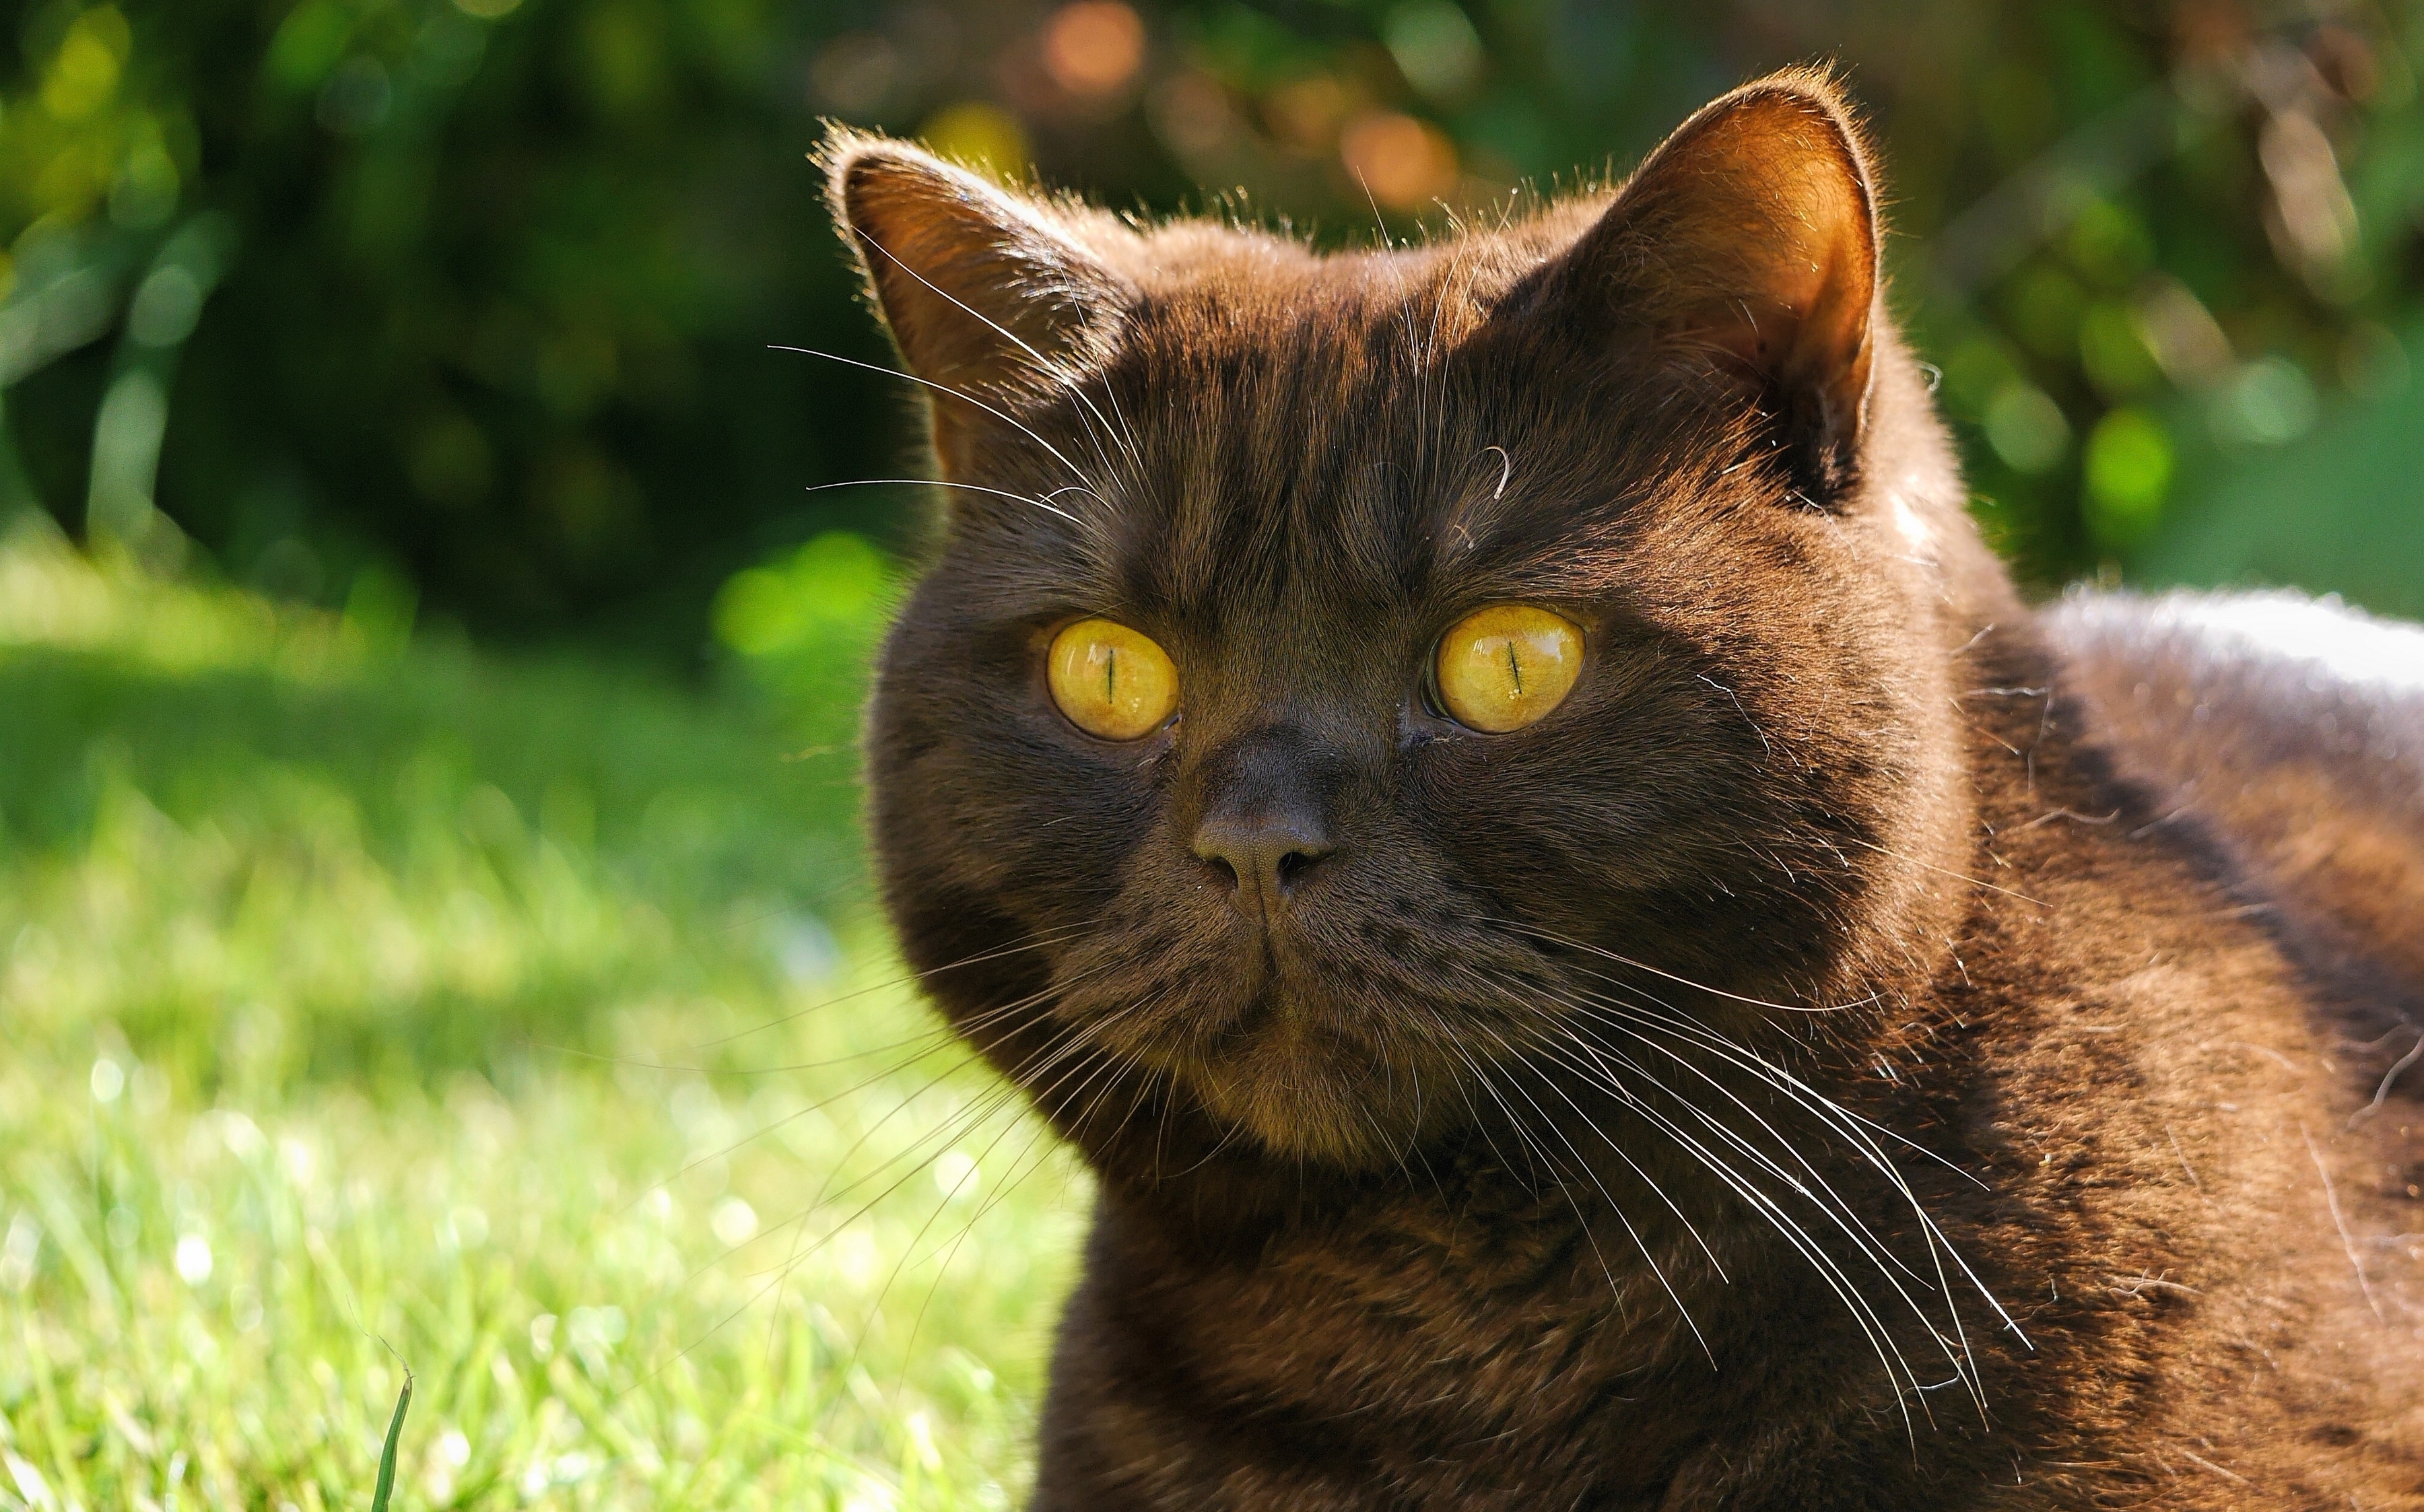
[{"x": 386, "y": 1486}]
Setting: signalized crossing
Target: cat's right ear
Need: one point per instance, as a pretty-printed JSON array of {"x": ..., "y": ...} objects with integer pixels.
[
  {"x": 1750, "y": 239},
  {"x": 988, "y": 298}
]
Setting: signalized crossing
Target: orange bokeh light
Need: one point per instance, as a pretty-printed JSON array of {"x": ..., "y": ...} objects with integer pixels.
[
  {"x": 1093, "y": 48},
  {"x": 1306, "y": 113},
  {"x": 1403, "y": 161}
]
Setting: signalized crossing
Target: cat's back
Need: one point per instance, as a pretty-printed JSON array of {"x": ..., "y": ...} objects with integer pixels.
[
  {"x": 2282, "y": 738},
  {"x": 2292, "y": 731}
]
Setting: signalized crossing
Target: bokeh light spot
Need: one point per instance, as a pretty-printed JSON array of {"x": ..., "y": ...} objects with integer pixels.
[
  {"x": 983, "y": 137},
  {"x": 1192, "y": 116},
  {"x": 855, "y": 73},
  {"x": 2268, "y": 402},
  {"x": 309, "y": 43},
  {"x": 735, "y": 1222},
  {"x": 1403, "y": 161},
  {"x": 1093, "y": 48},
  {"x": 84, "y": 74},
  {"x": 1306, "y": 113},
  {"x": 2129, "y": 466},
  {"x": 2025, "y": 427},
  {"x": 2372, "y": 362},
  {"x": 1435, "y": 46},
  {"x": 837, "y": 577},
  {"x": 2114, "y": 353}
]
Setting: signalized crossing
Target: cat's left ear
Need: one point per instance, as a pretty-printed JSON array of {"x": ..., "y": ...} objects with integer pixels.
[
  {"x": 1750, "y": 235},
  {"x": 992, "y": 297}
]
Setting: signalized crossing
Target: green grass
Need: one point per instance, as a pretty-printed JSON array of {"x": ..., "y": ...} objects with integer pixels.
[{"x": 340, "y": 976}]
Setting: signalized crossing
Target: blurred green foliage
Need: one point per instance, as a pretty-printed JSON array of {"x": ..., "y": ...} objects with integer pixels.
[
  {"x": 806, "y": 627},
  {"x": 482, "y": 289}
]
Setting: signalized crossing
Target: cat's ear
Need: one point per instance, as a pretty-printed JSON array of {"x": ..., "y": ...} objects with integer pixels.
[
  {"x": 990, "y": 297},
  {"x": 1750, "y": 235}
]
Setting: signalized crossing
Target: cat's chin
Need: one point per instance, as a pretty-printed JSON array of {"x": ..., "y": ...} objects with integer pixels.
[
  {"x": 1289, "y": 1062},
  {"x": 1305, "y": 1097}
]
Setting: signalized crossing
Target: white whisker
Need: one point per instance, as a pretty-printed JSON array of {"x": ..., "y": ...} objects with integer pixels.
[
  {"x": 945, "y": 482},
  {"x": 964, "y": 397}
]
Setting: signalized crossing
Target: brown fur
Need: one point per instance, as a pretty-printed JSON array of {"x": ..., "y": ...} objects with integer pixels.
[{"x": 1492, "y": 1170}]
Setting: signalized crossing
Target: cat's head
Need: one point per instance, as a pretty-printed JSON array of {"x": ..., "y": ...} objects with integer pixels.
[{"x": 1341, "y": 678}]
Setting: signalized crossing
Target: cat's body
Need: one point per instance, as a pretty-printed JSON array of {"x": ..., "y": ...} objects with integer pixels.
[
  {"x": 2156, "y": 1096},
  {"x": 2124, "y": 1055},
  {"x": 1832, "y": 1060},
  {"x": 2292, "y": 732}
]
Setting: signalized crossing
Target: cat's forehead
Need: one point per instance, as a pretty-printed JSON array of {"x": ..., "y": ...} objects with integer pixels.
[
  {"x": 1210, "y": 298},
  {"x": 1355, "y": 431}
]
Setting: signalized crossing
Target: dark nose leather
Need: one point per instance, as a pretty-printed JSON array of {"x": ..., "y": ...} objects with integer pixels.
[{"x": 1267, "y": 852}]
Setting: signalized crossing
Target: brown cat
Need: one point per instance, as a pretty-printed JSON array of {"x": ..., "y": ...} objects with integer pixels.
[{"x": 1603, "y": 957}]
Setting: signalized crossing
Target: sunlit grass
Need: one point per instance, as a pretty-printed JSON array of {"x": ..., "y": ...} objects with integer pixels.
[{"x": 338, "y": 979}]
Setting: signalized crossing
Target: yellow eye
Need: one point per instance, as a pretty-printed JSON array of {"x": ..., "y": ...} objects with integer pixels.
[
  {"x": 1507, "y": 665},
  {"x": 1111, "y": 682}
]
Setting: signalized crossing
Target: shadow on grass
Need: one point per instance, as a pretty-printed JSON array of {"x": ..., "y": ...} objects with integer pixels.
[{"x": 432, "y": 862}]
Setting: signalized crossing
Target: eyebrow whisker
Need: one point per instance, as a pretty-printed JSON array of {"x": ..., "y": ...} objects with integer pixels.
[{"x": 945, "y": 482}]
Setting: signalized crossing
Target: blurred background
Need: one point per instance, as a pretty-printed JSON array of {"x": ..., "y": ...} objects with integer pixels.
[
  {"x": 433, "y": 922},
  {"x": 476, "y": 295}
]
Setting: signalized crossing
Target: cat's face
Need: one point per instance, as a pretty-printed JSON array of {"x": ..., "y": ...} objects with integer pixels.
[{"x": 1345, "y": 679}]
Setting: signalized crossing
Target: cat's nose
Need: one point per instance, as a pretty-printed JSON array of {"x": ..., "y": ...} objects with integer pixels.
[{"x": 1266, "y": 852}]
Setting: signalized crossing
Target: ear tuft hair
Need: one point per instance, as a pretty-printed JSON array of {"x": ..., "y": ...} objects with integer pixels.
[{"x": 989, "y": 299}]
